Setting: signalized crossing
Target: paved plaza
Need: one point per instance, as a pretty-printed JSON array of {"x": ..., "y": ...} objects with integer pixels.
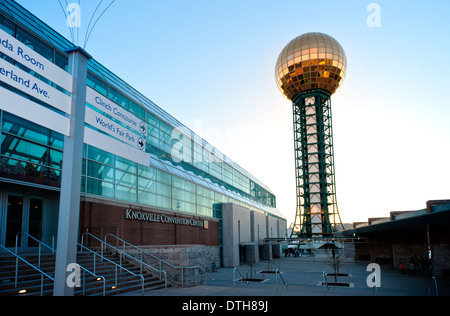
[{"x": 304, "y": 276}]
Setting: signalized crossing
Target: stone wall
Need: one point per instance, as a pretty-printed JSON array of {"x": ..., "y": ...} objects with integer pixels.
[{"x": 182, "y": 262}]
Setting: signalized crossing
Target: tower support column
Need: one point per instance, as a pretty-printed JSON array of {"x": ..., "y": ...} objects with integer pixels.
[{"x": 317, "y": 212}]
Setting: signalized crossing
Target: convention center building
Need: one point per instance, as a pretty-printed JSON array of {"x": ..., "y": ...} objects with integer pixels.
[{"x": 146, "y": 178}]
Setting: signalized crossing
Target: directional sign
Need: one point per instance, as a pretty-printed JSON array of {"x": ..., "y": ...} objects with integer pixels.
[
  {"x": 23, "y": 81},
  {"x": 115, "y": 111},
  {"x": 37, "y": 63},
  {"x": 115, "y": 147},
  {"x": 32, "y": 86},
  {"x": 114, "y": 129},
  {"x": 24, "y": 108}
]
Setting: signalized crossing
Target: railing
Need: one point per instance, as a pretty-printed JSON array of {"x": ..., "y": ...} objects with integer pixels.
[
  {"x": 325, "y": 283},
  {"x": 104, "y": 245},
  {"x": 115, "y": 265},
  {"x": 43, "y": 274},
  {"x": 53, "y": 251},
  {"x": 234, "y": 277},
  {"x": 428, "y": 288},
  {"x": 36, "y": 240},
  {"x": 161, "y": 261},
  {"x": 93, "y": 273},
  {"x": 277, "y": 272}
]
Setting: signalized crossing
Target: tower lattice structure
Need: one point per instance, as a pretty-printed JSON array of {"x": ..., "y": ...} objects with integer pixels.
[{"x": 317, "y": 212}]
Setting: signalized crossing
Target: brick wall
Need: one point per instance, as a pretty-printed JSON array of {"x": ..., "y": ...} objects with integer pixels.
[{"x": 100, "y": 217}]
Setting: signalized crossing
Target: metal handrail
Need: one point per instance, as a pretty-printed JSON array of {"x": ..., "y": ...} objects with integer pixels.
[
  {"x": 116, "y": 265},
  {"x": 206, "y": 273},
  {"x": 105, "y": 244},
  {"x": 234, "y": 276},
  {"x": 31, "y": 265},
  {"x": 282, "y": 279},
  {"x": 104, "y": 258},
  {"x": 325, "y": 283},
  {"x": 433, "y": 278},
  {"x": 54, "y": 252},
  {"x": 95, "y": 276},
  {"x": 159, "y": 259},
  {"x": 36, "y": 240}
]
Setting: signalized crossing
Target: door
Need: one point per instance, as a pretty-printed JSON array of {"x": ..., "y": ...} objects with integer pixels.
[
  {"x": 14, "y": 219},
  {"x": 24, "y": 214},
  {"x": 34, "y": 213}
]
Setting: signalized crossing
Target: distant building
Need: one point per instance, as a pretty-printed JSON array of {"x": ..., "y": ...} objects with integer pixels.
[{"x": 417, "y": 236}]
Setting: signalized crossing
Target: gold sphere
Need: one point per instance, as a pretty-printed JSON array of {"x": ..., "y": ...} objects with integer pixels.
[{"x": 310, "y": 61}]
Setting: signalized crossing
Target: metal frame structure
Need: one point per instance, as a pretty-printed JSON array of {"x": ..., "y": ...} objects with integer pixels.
[{"x": 317, "y": 212}]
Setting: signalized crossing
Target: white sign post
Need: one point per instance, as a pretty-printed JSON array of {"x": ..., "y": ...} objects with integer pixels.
[{"x": 69, "y": 206}]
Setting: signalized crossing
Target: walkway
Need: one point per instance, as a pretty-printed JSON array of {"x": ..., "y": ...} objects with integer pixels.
[{"x": 304, "y": 276}]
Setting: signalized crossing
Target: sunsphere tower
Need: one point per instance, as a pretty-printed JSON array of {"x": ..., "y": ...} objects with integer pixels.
[{"x": 308, "y": 71}]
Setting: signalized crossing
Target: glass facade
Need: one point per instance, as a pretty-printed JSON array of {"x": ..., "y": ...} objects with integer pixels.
[
  {"x": 310, "y": 61},
  {"x": 30, "y": 152},
  {"x": 34, "y": 154}
]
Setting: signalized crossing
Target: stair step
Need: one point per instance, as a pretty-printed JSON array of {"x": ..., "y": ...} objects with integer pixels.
[{"x": 29, "y": 279}]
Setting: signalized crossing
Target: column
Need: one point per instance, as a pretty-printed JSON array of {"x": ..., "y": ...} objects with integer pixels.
[{"x": 69, "y": 207}]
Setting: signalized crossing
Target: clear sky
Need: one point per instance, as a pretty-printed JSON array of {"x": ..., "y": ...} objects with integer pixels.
[{"x": 210, "y": 64}]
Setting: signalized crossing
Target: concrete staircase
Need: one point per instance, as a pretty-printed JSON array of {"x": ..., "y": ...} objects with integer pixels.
[{"x": 29, "y": 279}]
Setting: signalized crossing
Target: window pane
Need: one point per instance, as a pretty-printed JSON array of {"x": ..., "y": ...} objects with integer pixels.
[
  {"x": 56, "y": 140},
  {"x": 147, "y": 198},
  {"x": 126, "y": 194},
  {"x": 35, "y": 44},
  {"x": 97, "y": 84},
  {"x": 164, "y": 189},
  {"x": 125, "y": 178},
  {"x": 189, "y": 186},
  {"x": 56, "y": 158},
  {"x": 21, "y": 149},
  {"x": 147, "y": 172},
  {"x": 100, "y": 188},
  {"x": 125, "y": 164},
  {"x": 16, "y": 126},
  {"x": 136, "y": 109},
  {"x": 164, "y": 177},
  {"x": 166, "y": 128},
  {"x": 164, "y": 202},
  {"x": 7, "y": 26},
  {"x": 83, "y": 185},
  {"x": 147, "y": 185},
  {"x": 185, "y": 207},
  {"x": 206, "y": 211},
  {"x": 61, "y": 61},
  {"x": 118, "y": 98},
  {"x": 100, "y": 171},
  {"x": 101, "y": 156},
  {"x": 152, "y": 119}
]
